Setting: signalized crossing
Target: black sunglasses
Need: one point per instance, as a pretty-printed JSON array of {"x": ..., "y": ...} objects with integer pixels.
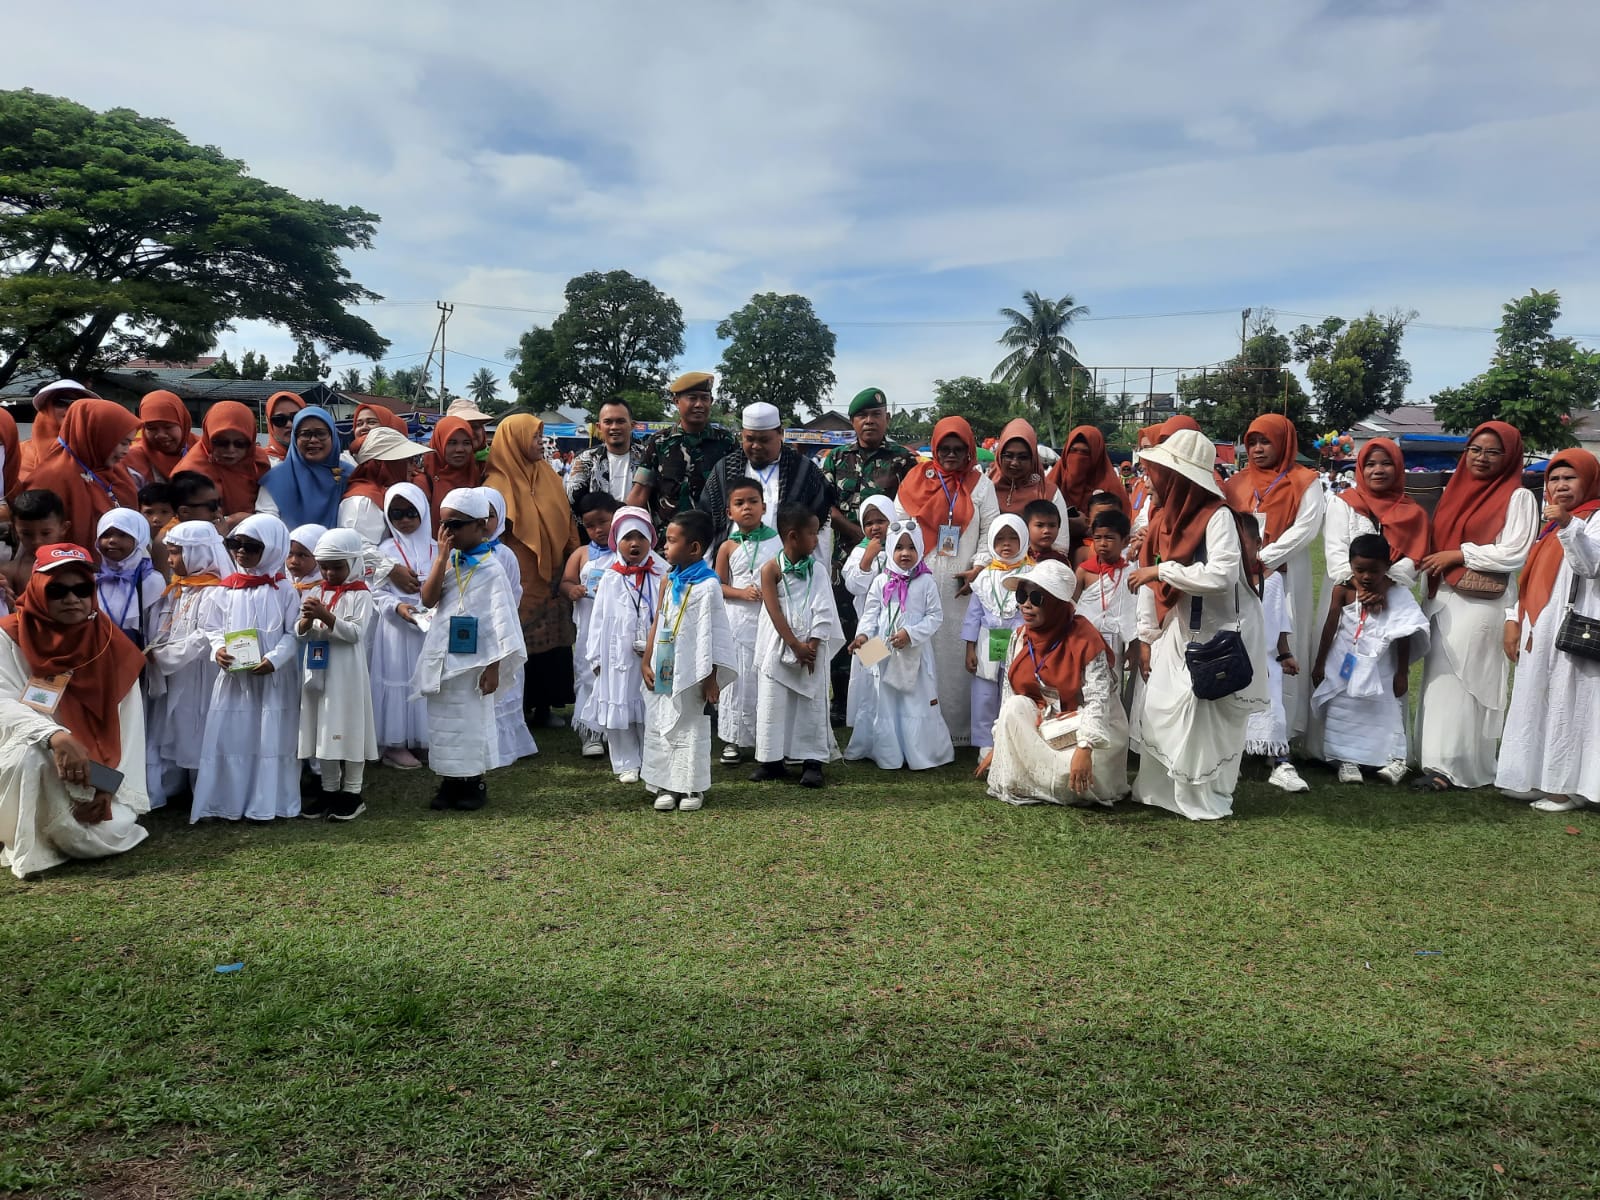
[
  {"x": 244, "y": 543},
  {"x": 1033, "y": 596},
  {"x": 456, "y": 523},
  {"x": 60, "y": 591},
  {"x": 399, "y": 513},
  {"x": 282, "y": 420},
  {"x": 209, "y": 505}
]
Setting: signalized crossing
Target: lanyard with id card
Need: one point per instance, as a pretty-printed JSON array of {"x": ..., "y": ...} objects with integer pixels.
[
  {"x": 999, "y": 644},
  {"x": 667, "y": 648},
  {"x": 43, "y": 693},
  {"x": 949, "y": 541},
  {"x": 1348, "y": 667},
  {"x": 317, "y": 655},
  {"x": 463, "y": 632}
]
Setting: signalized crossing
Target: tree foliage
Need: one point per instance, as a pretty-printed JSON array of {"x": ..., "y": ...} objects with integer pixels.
[
  {"x": 484, "y": 389},
  {"x": 306, "y": 363},
  {"x": 986, "y": 406},
  {"x": 1537, "y": 382},
  {"x": 1355, "y": 367},
  {"x": 541, "y": 375},
  {"x": 378, "y": 382},
  {"x": 779, "y": 352},
  {"x": 119, "y": 238},
  {"x": 1040, "y": 368},
  {"x": 253, "y": 365},
  {"x": 411, "y": 385},
  {"x": 350, "y": 380},
  {"x": 619, "y": 333},
  {"x": 1225, "y": 400}
]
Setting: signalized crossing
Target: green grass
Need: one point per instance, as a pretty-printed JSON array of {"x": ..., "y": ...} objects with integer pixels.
[{"x": 893, "y": 987}]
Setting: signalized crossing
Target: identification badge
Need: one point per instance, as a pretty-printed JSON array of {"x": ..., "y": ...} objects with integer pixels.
[
  {"x": 1348, "y": 667},
  {"x": 591, "y": 580},
  {"x": 666, "y": 661},
  {"x": 463, "y": 634},
  {"x": 43, "y": 692},
  {"x": 317, "y": 656},
  {"x": 949, "y": 540},
  {"x": 1261, "y": 522},
  {"x": 999, "y": 644}
]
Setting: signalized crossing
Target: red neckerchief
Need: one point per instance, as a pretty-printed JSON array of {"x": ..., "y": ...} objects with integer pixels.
[
  {"x": 1095, "y": 567},
  {"x": 340, "y": 589},
  {"x": 637, "y": 573},
  {"x": 239, "y": 580}
]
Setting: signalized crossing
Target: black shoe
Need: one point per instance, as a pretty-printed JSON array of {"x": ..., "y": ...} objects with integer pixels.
[
  {"x": 310, "y": 783},
  {"x": 346, "y": 806},
  {"x": 445, "y": 797},
  {"x": 766, "y": 771},
  {"x": 811, "y": 777},
  {"x": 318, "y": 805},
  {"x": 473, "y": 794}
]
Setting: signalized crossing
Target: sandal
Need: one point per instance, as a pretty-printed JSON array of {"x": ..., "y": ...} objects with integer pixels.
[{"x": 1431, "y": 781}]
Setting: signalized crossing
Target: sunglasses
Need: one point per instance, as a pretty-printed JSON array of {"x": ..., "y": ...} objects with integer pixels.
[
  {"x": 208, "y": 505},
  {"x": 403, "y": 514},
  {"x": 282, "y": 420},
  {"x": 249, "y": 545},
  {"x": 1033, "y": 596},
  {"x": 456, "y": 523},
  {"x": 228, "y": 444},
  {"x": 60, "y": 591}
]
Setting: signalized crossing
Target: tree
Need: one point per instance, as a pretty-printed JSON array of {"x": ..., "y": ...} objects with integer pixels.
[
  {"x": 778, "y": 352},
  {"x": 224, "y": 368},
  {"x": 119, "y": 238},
  {"x": 986, "y": 406},
  {"x": 350, "y": 380},
  {"x": 1041, "y": 361},
  {"x": 306, "y": 363},
  {"x": 1536, "y": 381},
  {"x": 253, "y": 365},
  {"x": 1225, "y": 400},
  {"x": 1355, "y": 367},
  {"x": 483, "y": 387},
  {"x": 912, "y": 427},
  {"x": 542, "y": 375},
  {"x": 618, "y": 334},
  {"x": 378, "y": 382},
  {"x": 409, "y": 384}
]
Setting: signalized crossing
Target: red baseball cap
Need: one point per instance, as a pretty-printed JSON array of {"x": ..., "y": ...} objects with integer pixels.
[{"x": 61, "y": 554}]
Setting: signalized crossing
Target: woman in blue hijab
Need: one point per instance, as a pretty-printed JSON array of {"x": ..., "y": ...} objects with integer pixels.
[{"x": 305, "y": 489}]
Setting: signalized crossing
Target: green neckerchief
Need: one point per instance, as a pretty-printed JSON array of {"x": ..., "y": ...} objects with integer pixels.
[
  {"x": 759, "y": 534},
  {"x": 801, "y": 568}
]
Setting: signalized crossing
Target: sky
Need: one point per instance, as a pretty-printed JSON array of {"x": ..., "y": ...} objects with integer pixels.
[{"x": 910, "y": 167}]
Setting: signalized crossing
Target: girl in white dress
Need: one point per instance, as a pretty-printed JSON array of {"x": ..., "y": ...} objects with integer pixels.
[
  {"x": 585, "y": 569},
  {"x": 511, "y": 725},
  {"x": 1483, "y": 529},
  {"x": 904, "y": 727},
  {"x": 396, "y": 639},
  {"x": 992, "y": 614},
  {"x": 128, "y": 584},
  {"x": 336, "y": 723},
  {"x": 624, "y": 610},
  {"x": 861, "y": 566},
  {"x": 751, "y": 545},
  {"x": 249, "y": 759}
]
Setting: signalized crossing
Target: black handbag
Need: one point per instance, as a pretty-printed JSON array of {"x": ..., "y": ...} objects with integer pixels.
[
  {"x": 1578, "y": 635},
  {"x": 1220, "y": 667}
]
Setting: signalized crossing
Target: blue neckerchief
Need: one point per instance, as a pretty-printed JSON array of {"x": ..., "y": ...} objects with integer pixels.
[
  {"x": 683, "y": 577},
  {"x": 308, "y": 493},
  {"x": 471, "y": 558}
]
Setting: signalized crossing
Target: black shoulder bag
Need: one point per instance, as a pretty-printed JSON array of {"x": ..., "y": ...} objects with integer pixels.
[
  {"x": 1578, "y": 635},
  {"x": 1220, "y": 667}
]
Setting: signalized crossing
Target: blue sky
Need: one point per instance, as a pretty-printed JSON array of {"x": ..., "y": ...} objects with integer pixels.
[{"x": 911, "y": 167}]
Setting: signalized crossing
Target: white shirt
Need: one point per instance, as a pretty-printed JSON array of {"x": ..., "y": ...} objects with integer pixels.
[
  {"x": 619, "y": 474},
  {"x": 767, "y": 477}
]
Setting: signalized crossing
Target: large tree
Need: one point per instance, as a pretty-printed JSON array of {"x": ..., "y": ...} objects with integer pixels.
[
  {"x": 619, "y": 333},
  {"x": 411, "y": 385},
  {"x": 541, "y": 374},
  {"x": 986, "y": 406},
  {"x": 350, "y": 379},
  {"x": 483, "y": 387},
  {"x": 1227, "y": 398},
  {"x": 306, "y": 363},
  {"x": 119, "y": 238},
  {"x": 779, "y": 352},
  {"x": 1537, "y": 382},
  {"x": 1040, "y": 366},
  {"x": 1355, "y": 367}
]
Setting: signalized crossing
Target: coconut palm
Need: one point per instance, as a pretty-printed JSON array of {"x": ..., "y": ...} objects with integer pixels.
[
  {"x": 483, "y": 387},
  {"x": 1042, "y": 358}
]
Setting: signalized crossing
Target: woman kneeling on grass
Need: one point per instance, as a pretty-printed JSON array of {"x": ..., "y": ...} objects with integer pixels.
[
  {"x": 71, "y": 707},
  {"x": 1061, "y": 736}
]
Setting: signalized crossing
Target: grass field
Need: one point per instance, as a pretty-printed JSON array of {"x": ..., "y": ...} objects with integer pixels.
[{"x": 892, "y": 987}]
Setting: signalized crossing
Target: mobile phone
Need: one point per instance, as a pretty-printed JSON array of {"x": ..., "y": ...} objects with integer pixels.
[{"x": 103, "y": 779}]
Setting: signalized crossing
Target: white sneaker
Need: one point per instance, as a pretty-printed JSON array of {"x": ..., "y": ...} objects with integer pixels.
[
  {"x": 730, "y": 755},
  {"x": 401, "y": 759},
  {"x": 691, "y": 802},
  {"x": 593, "y": 745},
  {"x": 1350, "y": 773},
  {"x": 666, "y": 802},
  {"x": 1393, "y": 771},
  {"x": 1566, "y": 804},
  {"x": 628, "y": 777},
  {"x": 1284, "y": 776}
]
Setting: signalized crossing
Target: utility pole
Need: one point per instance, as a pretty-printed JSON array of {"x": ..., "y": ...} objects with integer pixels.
[
  {"x": 444, "y": 316},
  {"x": 1244, "y": 321}
]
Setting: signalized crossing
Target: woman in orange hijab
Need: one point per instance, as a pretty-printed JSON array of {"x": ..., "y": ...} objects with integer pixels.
[
  {"x": 1288, "y": 502},
  {"x": 164, "y": 437},
  {"x": 542, "y": 533},
  {"x": 369, "y": 417},
  {"x": 282, "y": 408},
  {"x": 1547, "y": 754},
  {"x": 77, "y": 676},
  {"x": 1483, "y": 531},
  {"x": 1085, "y": 468},
  {"x": 1018, "y": 475},
  {"x": 453, "y": 463},
  {"x": 1377, "y": 504},
  {"x": 954, "y": 502},
  {"x": 85, "y": 469},
  {"x": 50, "y": 405},
  {"x": 226, "y": 453}
]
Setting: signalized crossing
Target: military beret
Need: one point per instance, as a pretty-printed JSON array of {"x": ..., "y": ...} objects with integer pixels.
[
  {"x": 691, "y": 381},
  {"x": 868, "y": 398}
]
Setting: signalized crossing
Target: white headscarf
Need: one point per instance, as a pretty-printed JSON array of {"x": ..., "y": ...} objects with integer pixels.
[
  {"x": 497, "y": 505},
  {"x": 1014, "y": 523},
  {"x": 418, "y": 549},
  {"x": 131, "y": 522},
  {"x": 899, "y": 530},
  {"x": 629, "y": 519},
  {"x": 203, "y": 551},
  {"x": 881, "y": 503},
  {"x": 342, "y": 545},
  {"x": 469, "y": 502},
  {"x": 273, "y": 535},
  {"x": 307, "y": 536}
]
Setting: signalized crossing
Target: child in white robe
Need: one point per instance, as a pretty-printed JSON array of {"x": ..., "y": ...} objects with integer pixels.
[
  {"x": 336, "y": 723},
  {"x": 127, "y": 585},
  {"x": 689, "y": 659},
  {"x": 624, "y": 610},
  {"x": 182, "y": 672},
  {"x": 863, "y": 565},
  {"x": 1103, "y": 595},
  {"x": 474, "y": 639},
  {"x": 1363, "y": 666},
  {"x": 798, "y": 636},
  {"x": 396, "y": 638},
  {"x": 1266, "y": 732},
  {"x": 515, "y": 741},
  {"x": 249, "y": 760},
  {"x": 902, "y": 725},
  {"x": 751, "y": 545},
  {"x": 301, "y": 562},
  {"x": 585, "y": 569},
  {"x": 991, "y": 615}
]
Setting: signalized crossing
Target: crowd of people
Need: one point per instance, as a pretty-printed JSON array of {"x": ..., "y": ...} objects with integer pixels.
[{"x": 197, "y": 619}]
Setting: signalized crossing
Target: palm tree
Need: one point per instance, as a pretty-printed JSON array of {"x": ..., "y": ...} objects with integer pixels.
[
  {"x": 1041, "y": 359},
  {"x": 483, "y": 387}
]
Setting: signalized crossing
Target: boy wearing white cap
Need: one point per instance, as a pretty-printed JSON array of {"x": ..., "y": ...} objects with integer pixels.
[
  {"x": 336, "y": 723},
  {"x": 474, "y": 638}
]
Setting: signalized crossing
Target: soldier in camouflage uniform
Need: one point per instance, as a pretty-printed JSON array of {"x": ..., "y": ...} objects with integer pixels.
[
  {"x": 873, "y": 466},
  {"x": 674, "y": 463}
]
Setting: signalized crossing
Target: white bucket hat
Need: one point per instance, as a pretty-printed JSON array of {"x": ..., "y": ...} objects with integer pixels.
[
  {"x": 466, "y": 410},
  {"x": 1188, "y": 453},
  {"x": 388, "y": 445},
  {"x": 1053, "y": 576}
]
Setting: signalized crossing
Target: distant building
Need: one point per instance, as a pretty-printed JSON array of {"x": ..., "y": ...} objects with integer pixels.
[{"x": 828, "y": 422}]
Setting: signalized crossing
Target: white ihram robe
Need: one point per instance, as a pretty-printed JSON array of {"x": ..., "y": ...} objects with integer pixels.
[
  {"x": 677, "y": 728},
  {"x": 1361, "y": 720},
  {"x": 1267, "y": 731},
  {"x": 736, "y": 711},
  {"x": 1293, "y": 549},
  {"x": 621, "y": 621},
  {"x": 183, "y": 674},
  {"x": 1462, "y": 705},
  {"x": 396, "y": 645},
  {"x": 599, "y": 557},
  {"x": 463, "y": 742},
  {"x": 791, "y": 701},
  {"x": 1549, "y": 745},
  {"x": 1192, "y": 748},
  {"x": 36, "y": 820},
  {"x": 900, "y": 726},
  {"x": 857, "y": 582},
  {"x": 511, "y": 726},
  {"x": 336, "y": 720}
]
